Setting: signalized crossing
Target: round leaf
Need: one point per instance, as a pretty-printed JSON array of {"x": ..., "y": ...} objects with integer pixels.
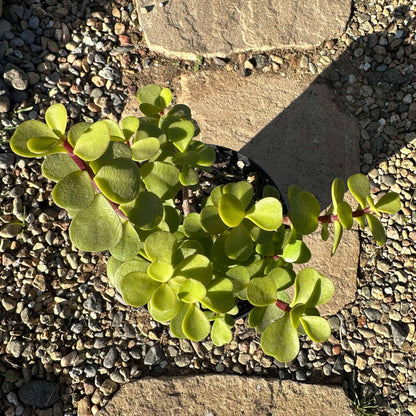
[
  {"x": 304, "y": 212},
  {"x": 180, "y": 133},
  {"x": 211, "y": 221},
  {"x": 56, "y": 119},
  {"x": 164, "y": 298},
  {"x": 112, "y": 265},
  {"x": 192, "y": 226},
  {"x": 266, "y": 213},
  {"x": 146, "y": 211},
  {"x": 97, "y": 228},
  {"x": 135, "y": 265},
  {"x": 160, "y": 245},
  {"x": 160, "y": 271},
  {"x": 161, "y": 178},
  {"x": 137, "y": 288},
  {"x": 74, "y": 192},
  {"x": 262, "y": 316},
  {"x": 220, "y": 332},
  {"x": 115, "y": 150},
  {"x": 196, "y": 267},
  {"x": 219, "y": 296},
  {"x": 238, "y": 245},
  {"x": 262, "y": 291},
  {"x": 129, "y": 125},
  {"x": 129, "y": 244},
  {"x": 359, "y": 186},
  {"x": 191, "y": 291},
  {"x": 119, "y": 180},
  {"x": 280, "y": 340},
  {"x": 94, "y": 142},
  {"x": 165, "y": 315},
  {"x": 57, "y": 166},
  {"x": 296, "y": 252},
  {"x": 389, "y": 203},
  {"x": 26, "y": 131},
  {"x": 282, "y": 277},
  {"x": 195, "y": 324},
  {"x": 344, "y": 213},
  {"x": 316, "y": 327},
  {"x": 189, "y": 176},
  {"x": 376, "y": 228},
  {"x": 239, "y": 277},
  {"x": 242, "y": 190},
  {"x": 231, "y": 210},
  {"x": 145, "y": 149},
  {"x": 43, "y": 145}
]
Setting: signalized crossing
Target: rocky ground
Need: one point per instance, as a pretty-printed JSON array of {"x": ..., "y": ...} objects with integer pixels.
[{"x": 59, "y": 322}]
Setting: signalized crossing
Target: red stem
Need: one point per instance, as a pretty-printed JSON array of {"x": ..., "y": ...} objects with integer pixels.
[
  {"x": 331, "y": 218},
  {"x": 283, "y": 305},
  {"x": 83, "y": 166}
]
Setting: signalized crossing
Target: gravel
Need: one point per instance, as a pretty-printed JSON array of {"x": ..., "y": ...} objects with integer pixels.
[{"x": 61, "y": 322}]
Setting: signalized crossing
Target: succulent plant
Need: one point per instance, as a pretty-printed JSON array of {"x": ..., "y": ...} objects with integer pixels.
[{"x": 119, "y": 183}]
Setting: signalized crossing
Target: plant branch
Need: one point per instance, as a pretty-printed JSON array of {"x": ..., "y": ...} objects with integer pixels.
[
  {"x": 185, "y": 201},
  {"x": 284, "y": 306},
  {"x": 84, "y": 166},
  {"x": 330, "y": 218}
]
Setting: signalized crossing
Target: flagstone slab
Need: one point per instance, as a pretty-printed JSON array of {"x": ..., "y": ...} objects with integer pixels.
[
  {"x": 226, "y": 395},
  {"x": 188, "y": 28}
]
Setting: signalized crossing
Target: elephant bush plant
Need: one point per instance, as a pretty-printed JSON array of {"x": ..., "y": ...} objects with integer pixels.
[{"x": 192, "y": 264}]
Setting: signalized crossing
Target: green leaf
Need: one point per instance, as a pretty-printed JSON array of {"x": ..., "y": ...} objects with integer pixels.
[
  {"x": 376, "y": 228},
  {"x": 112, "y": 265},
  {"x": 145, "y": 149},
  {"x": 115, "y": 132},
  {"x": 188, "y": 158},
  {"x": 257, "y": 234},
  {"x": 219, "y": 297},
  {"x": 74, "y": 192},
  {"x": 56, "y": 118},
  {"x": 311, "y": 288},
  {"x": 44, "y": 145},
  {"x": 26, "y": 131},
  {"x": 324, "y": 232},
  {"x": 115, "y": 150},
  {"x": 119, "y": 180},
  {"x": 195, "y": 324},
  {"x": 189, "y": 176},
  {"x": 359, "y": 186},
  {"x": 221, "y": 333},
  {"x": 292, "y": 192},
  {"x": 389, "y": 203},
  {"x": 238, "y": 245},
  {"x": 55, "y": 167},
  {"x": 135, "y": 265},
  {"x": 206, "y": 155},
  {"x": 190, "y": 247},
  {"x": 192, "y": 226},
  {"x": 129, "y": 244},
  {"x": 146, "y": 211},
  {"x": 266, "y": 249},
  {"x": 191, "y": 291},
  {"x": 337, "y": 191},
  {"x": 239, "y": 277},
  {"x": 76, "y": 130},
  {"x": 262, "y": 316},
  {"x": 165, "y": 298},
  {"x": 280, "y": 340},
  {"x": 304, "y": 212},
  {"x": 96, "y": 228},
  {"x": 295, "y": 314},
  {"x": 160, "y": 245},
  {"x": 271, "y": 191},
  {"x": 282, "y": 277},
  {"x": 177, "y": 321},
  {"x": 231, "y": 210},
  {"x": 164, "y": 315},
  {"x": 266, "y": 213},
  {"x": 180, "y": 133},
  {"x": 137, "y": 288},
  {"x": 344, "y": 213},
  {"x": 297, "y": 252},
  {"x": 161, "y": 178},
  {"x": 316, "y": 327},
  {"x": 94, "y": 142},
  {"x": 218, "y": 251},
  {"x": 211, "y": 221},
  {"x": 180, "y": 111},
  {"x": 129, "y": 126},
  {"x": 160, "y": 271},
  {"x": 243, "y": 191},
  {"x": 262, "y": 291},
  {"x": 338, "y": 231},
  {"x": 196, "y": 267}
]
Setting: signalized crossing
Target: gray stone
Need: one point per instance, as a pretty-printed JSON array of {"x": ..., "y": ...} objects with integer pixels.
[
  {"x": 15, "y": 77},
  {"x": 93, "y": 303},
  {"x": 6, "y": 160},
  {"x": 39, "y": 393},
  {"x": 110, "y": 358},
  {"x": 399, "y": 333},
  {"x": 5, "y": 27},
  {"x": 222, "y": 395},
  {"x": 180, "y": 28},
  {"x": 153, "y": 356},
  {"x": 15, "y": 348}
]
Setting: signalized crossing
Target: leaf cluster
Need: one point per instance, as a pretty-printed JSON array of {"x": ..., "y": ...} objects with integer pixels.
[{"x": 119, "y": 183}]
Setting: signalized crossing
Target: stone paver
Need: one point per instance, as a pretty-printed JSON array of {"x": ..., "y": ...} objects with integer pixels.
[
  {"x": 188, "y": 28},
  {"x": 226, "y": 395}
]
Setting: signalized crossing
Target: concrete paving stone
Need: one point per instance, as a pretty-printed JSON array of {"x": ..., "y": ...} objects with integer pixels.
[
  {"x": 188, "y": 28},
  {"x": 226, "y": 395}
]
